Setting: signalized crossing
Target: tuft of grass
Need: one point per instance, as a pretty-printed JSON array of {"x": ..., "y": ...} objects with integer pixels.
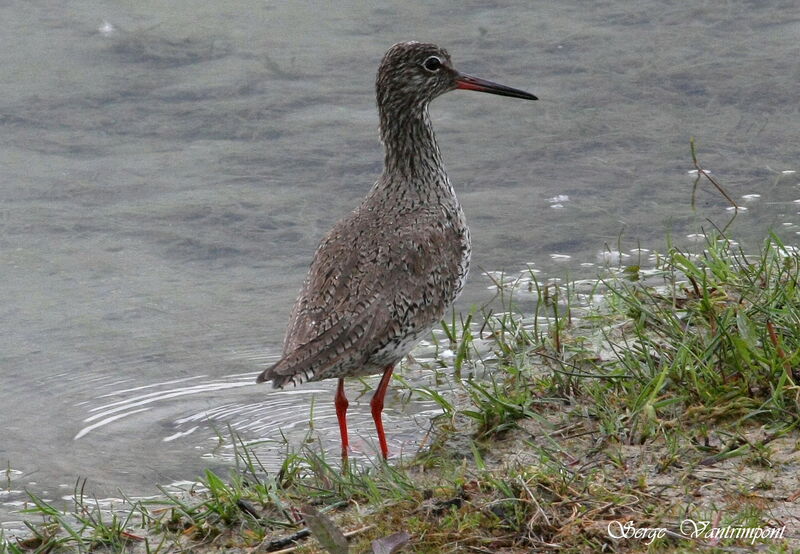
[
  {"x": 716, "y": 340},
  {"x": 650, "y": 396}
]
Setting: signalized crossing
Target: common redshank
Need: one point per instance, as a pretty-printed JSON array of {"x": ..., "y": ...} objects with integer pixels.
[{"x": 388, "y": 272}]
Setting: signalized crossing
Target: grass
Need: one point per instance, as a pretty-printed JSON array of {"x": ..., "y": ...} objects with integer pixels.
[{"x": 647, "y": 398}]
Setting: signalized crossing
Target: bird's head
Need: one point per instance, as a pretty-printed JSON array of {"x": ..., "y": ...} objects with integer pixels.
[{"x": 414, "y": 73}]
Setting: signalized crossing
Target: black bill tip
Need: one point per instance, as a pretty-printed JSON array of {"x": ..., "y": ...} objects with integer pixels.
[{"x": 468, "y": 82}]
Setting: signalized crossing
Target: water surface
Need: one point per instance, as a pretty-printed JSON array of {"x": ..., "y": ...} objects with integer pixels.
[{"x": 167, "y": 169}]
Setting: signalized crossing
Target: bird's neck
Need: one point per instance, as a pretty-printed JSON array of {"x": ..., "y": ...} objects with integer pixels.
[{"x": 413, "y": 159}]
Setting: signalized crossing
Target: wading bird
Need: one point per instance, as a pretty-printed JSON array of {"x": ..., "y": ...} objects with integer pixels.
[{"x": 386, "y": 273}]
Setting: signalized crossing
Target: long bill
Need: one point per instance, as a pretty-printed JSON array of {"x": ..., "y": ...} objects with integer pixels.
[{"x": 468, "y": 82}]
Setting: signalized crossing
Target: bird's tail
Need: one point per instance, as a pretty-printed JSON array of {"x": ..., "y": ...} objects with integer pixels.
[{"x": 278, "y": 380}]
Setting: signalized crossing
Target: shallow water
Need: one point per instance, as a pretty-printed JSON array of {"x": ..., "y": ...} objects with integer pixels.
[{"x": 166, "y": 170}]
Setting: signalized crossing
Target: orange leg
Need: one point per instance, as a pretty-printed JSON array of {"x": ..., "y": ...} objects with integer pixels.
[
  {"x": 341, "y": 414},
  {"x": 377, "y": 408}
]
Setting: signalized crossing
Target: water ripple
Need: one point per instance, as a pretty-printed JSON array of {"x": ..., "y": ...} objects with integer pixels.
[{"x": 189, "y": 408}]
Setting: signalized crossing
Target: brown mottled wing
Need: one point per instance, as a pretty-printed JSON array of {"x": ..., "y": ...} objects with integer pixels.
[
  {"x": 329, "y": 325},
  {"x": 372, "y": 280},
  {"x": 341, "y": 346},
  {"x": 324, "y": 298}
]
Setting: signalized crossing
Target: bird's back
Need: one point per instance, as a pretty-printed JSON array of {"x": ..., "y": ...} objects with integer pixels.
[{"x": 382, "y": 277}]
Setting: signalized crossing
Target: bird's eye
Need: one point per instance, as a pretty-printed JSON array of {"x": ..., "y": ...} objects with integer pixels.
[{"x": 432, "y": 64}]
